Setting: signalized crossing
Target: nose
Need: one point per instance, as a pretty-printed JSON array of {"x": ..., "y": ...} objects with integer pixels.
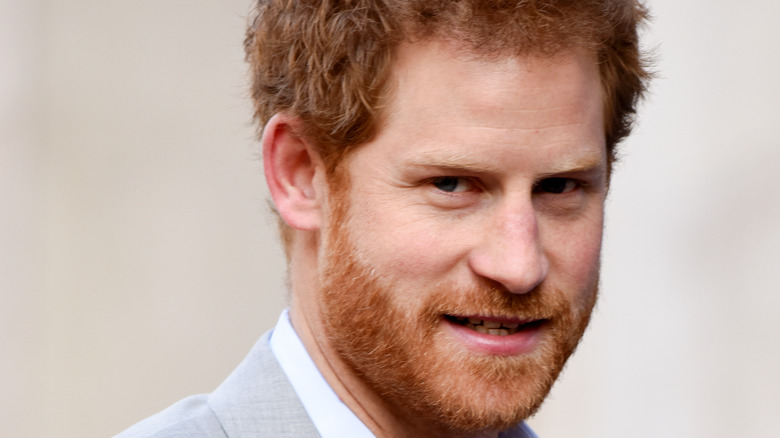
[{"x": 510, "y": 251}]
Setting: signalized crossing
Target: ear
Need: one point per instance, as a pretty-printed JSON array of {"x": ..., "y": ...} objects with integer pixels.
[{"x": 293, "y": 170}]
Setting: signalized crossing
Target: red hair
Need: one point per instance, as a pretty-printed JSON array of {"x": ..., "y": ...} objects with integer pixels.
[{"x": 327, "y": 61}]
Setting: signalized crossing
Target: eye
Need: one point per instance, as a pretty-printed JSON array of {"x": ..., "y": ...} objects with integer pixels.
[
  {"x": 556, "y": 185},
  {"x": 452, "y": 184}
]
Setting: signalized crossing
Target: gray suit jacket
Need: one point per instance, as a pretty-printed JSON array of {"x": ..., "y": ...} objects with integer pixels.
[{"x": 256, "y": 400}]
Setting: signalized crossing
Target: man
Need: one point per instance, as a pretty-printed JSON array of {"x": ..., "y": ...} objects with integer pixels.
[{"x": 439, "y": 169}]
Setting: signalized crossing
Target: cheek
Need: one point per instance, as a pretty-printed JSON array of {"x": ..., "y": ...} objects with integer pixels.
[
  {"x": 574, "y": 253},
  {"x": 403, "y": 245}
]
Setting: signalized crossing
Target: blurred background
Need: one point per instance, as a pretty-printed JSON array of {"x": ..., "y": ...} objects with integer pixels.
[{"x": 138, "y": 262}]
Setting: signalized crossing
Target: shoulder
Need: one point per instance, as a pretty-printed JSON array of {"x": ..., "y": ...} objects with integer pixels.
[
  {"x": 255, "y": 400},
  {"x": 191, "y": 417}
]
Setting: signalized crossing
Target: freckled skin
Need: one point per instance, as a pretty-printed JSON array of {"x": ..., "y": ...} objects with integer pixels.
[{"x": 516, "y": 233}]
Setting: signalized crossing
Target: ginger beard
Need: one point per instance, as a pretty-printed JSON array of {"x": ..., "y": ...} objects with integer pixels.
[{"x": 401, "y": 352}]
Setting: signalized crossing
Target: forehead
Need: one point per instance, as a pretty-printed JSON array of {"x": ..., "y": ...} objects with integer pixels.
[
  {"x": 434, "y": 77},
  {"x": 442, "y": 101}
]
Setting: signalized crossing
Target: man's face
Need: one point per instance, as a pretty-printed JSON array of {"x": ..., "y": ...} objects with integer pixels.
[{"x": 460, "y": 263}]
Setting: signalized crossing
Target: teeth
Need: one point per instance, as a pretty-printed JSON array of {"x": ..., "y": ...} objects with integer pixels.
[
  {"x": 491, "y": 324},
  {"x": 495, "y": 328},
  {"x": 498, "y": 332}
]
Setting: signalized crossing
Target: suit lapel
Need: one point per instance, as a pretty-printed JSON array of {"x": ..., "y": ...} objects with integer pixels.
[{"x": 257, "y": 400}]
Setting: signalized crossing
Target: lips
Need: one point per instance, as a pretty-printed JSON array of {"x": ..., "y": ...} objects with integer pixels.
[
  {"x": 494, "y": 326},
  {"x": 491, "y": 335},
  {"x": 488, "y": 326}
]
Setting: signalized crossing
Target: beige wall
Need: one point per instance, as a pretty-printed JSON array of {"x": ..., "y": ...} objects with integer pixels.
[{"x": 138, "y": 263}]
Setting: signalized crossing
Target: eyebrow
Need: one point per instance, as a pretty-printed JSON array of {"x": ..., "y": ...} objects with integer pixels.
[
  {"x": 580, "y": 164},
  {"x": 450, "y": 161},
  {"x": 586, "y": 163}
]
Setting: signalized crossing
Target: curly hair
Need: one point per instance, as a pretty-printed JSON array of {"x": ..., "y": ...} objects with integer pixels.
[{"x": 328, "y": 61}]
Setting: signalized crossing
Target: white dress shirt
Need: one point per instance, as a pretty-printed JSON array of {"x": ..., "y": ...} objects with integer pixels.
[{"x": 331, "y": 417}]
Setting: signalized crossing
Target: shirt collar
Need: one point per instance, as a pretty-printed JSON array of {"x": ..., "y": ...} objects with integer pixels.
[{"x": 331, "y": 417}]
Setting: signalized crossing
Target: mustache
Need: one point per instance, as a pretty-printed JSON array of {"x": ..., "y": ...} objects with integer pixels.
[
  {"x": 485, "y": 298},
  {"x": 488, "y": 299}
]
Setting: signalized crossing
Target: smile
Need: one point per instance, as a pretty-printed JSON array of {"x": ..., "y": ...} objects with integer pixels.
[{"x": 496, "y": 327}]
